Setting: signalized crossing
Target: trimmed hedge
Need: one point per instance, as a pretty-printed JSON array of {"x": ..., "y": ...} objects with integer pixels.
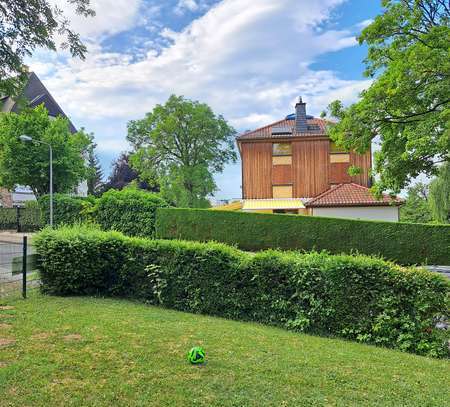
[
  {"x": 67, "y": 209},
  {"x": 130, "y": 211},
  {"x": 356, "y": 297},
  {"x": 29, "y": 218},
  {"x": 405, "y": 243}
]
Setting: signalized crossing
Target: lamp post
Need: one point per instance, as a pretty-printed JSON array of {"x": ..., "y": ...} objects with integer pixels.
[{"x": 29, "y": 139}]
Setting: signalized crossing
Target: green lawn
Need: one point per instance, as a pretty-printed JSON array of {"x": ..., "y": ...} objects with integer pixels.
[{"x": 102, "y": 352}]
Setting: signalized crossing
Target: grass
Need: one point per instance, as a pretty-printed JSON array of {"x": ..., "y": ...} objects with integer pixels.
[{"x": 103, "y": 352}]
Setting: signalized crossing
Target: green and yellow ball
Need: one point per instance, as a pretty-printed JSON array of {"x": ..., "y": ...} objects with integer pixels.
[{"x": 196, "y": 355}]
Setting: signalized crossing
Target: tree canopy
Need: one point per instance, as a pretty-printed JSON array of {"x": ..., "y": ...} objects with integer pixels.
[
  {"x": 440, "y": 195},
  {"x": 27, "y": 163},
  {"x": 122, "y": 175},
  {"x": 26, "y": 25},
  {"x": 407, "y": 106},
  {"x": 181, "y": 145},
  {"x": 416, "y": 208}
]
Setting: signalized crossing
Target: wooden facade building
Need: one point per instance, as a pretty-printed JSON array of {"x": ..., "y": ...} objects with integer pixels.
[{"x": 294, "y": 161}]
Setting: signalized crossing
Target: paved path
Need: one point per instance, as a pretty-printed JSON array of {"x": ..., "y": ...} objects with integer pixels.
[{"x": 444, "y": 270}]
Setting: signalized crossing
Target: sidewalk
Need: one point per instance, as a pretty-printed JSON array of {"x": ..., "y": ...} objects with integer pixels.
[{"x": 14, "y": 237}]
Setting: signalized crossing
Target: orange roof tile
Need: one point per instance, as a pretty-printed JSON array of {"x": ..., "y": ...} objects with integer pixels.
[{"x": 351, "y": 195}]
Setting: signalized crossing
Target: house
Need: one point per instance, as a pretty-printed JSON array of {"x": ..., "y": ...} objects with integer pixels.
[
  {"x": 34, "y": 94},
  {"x": 292, "y": 166}
]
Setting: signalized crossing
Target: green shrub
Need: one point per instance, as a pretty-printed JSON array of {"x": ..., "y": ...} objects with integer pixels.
[
  {"x": 8, "y": 218},
  {"x": 404, "y": 243},
  {"x": 29, "y": 218},
  {"x": 130, "y": 211},
  {"x": 361, "y": 298},
  {"x": 67, "y": 209}
]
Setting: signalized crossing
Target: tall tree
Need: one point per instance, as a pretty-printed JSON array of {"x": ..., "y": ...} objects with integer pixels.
[
  {"x": 29, "y": 24},
  {"x": 440, "y": 195},
  {"x": 123, "y": 175},
  {"x": 24, "y": 163},
  {"x": 408, "y": 104},
  {"x": 416, "y": 208},
  {"x": 95, "y": 177},
  {"x": 181, "y": 145}
]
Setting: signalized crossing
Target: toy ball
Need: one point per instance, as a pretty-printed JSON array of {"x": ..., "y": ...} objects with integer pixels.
[{"x": 196, "y": 355}]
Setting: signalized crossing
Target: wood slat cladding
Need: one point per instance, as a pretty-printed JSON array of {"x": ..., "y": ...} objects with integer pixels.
[
  {"x": 282, "y": 174},
  {"x": 339, "y": 173},
  {"x": 256, "y": 170},
  {"x": 310, "y": 164},
  {"x": 363, "y": 161}
]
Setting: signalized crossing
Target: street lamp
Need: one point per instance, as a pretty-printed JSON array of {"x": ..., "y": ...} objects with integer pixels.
[{"x": 29, "y": 139}]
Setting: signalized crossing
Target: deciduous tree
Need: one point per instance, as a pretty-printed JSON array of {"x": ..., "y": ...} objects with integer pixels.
[
  {"x": 407, "y": 107},
  {"x": 27, "y": 163},
  {"x": 181, "y": 145},
  {"x": 26, "y": 25}
]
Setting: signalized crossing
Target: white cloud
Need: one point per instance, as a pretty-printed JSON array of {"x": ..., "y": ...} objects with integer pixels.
[
  {"x": 112, "y": 17},
  {"x": 186, "y": 5},
  {"x": 249, "y": 60},
  {"x": 363, "y": 24}
]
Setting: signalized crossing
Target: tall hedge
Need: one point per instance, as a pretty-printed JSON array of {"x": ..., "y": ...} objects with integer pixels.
[
  {"x": 67, "y": 209},
  {"x": 356, "y": 297},
  {"x": 404, "y": 243},
  {"x": 131, "y": 211}
]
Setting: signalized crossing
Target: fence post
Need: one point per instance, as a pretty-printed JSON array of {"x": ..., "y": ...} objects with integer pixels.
[
  {"x": 18, "y": 228},
  {"x": 24, "y": 268}
]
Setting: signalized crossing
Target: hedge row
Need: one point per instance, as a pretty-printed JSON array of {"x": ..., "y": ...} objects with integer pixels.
[
  {"x": 404, "y": 243},
  {"x": 356, "y": 297},
  {"x": 131, "y": 211},
  {"x": 28, "y": 219}
]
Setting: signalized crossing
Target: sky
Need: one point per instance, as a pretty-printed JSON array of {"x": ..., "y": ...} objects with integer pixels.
[{"x": 248, "y": 59}]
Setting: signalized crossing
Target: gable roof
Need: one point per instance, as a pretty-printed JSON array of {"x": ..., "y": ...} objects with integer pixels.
[
  {"x": 316, "y": 127},
  {"x": 351, "y": 194},
  {"x": 36, "y": 93}
]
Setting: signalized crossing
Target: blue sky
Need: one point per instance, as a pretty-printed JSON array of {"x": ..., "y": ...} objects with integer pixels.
[{"x": 248, "y": 59}]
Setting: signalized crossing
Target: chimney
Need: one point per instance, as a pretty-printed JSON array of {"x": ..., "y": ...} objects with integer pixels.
[{"x": 300, "y": 116}]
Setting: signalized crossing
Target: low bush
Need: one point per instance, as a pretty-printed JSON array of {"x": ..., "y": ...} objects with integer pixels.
[
  {"x": 131, "y": 211},
  {"x": 67, "y": 209},
  {"x": 357, "y": 297},
  {"x": 404, "y": 243}
]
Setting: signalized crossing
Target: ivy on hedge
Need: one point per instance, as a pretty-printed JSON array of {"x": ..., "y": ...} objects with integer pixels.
[
  {"x": 131, "y": 211},
  {"x": 357, "y": 297},
  {"x": 405, "y": 243}
]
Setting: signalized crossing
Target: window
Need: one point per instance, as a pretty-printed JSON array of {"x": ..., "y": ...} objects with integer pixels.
[
  {"x": 282, "y": 160},
  {"x": 339, "y": 158},
  {"x": 282, "y": 191},
  {"x": 281, "y": 149},
  {"x": 287, "y": 211}
]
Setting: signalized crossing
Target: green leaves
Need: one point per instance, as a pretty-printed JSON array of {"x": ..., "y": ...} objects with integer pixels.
[
  {"x": 28, "y": 163},
  {"x": 357, "y": 297},
  {"x": 407, "y": 106},
  {"x": 30, "y": 24},
  {"x": 180, "y": 145}
]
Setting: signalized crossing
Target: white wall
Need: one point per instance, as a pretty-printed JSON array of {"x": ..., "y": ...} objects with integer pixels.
[{"x": 387, "y": 213}]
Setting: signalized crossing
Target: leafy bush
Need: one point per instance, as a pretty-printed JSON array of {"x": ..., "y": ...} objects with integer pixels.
[
  {"x": 29, "y": 218},
  {"x": 361, "y": 298},
  {"x": 8, "y": 218},
  {"x": 67, "y": 209},
  {"x": 130, "y": 211},
  {"x": 404, "y": 243}
]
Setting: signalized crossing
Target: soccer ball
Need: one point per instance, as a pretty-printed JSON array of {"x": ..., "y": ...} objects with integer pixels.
[{"x": 196, "y": 355}]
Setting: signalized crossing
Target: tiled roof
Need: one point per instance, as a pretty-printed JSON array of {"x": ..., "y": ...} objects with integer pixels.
[
  {"x": 350, "y": 195},
  {"x": 317, "y": 127}
]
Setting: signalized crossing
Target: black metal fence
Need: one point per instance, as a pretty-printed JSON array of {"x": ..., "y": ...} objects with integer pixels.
[
  {"x": 20, "y": 219},
  {"x": 18, "y": 268}
]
